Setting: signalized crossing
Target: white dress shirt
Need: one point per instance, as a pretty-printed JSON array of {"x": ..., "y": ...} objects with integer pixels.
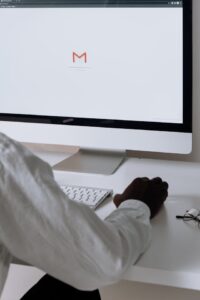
[{"x": 41, "y": 226}]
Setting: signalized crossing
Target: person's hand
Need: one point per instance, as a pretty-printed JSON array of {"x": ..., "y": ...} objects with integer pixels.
[{"x": 153, "y": 192}]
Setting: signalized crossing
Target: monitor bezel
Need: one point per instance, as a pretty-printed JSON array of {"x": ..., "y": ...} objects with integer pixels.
[{"x": 186, "y": 126}]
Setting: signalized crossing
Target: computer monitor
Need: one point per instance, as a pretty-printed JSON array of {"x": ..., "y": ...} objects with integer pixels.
[{"x": 97, "y": 74}]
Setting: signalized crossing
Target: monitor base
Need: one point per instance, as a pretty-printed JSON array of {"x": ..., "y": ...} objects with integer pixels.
[{"x": 92, "y": 161}]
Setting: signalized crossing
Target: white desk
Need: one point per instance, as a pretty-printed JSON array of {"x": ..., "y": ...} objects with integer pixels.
[{"x": 173, "y": 258}]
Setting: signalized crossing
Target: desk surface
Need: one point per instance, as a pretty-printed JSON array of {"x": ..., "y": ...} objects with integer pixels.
[{"x": 173, "y": 256}]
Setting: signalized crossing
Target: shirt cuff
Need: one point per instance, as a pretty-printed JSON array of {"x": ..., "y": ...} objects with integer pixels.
[{"x": 136, "y": 205}]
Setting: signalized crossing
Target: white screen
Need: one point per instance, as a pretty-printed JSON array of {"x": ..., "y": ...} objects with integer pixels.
[{"x": 132, "y": 67}]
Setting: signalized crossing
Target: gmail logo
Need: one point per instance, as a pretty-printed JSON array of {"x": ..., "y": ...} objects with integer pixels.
[{"x": 79, "y": 57}]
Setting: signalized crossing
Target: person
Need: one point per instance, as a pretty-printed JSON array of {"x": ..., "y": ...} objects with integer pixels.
[{"x": 42, "y": 227}]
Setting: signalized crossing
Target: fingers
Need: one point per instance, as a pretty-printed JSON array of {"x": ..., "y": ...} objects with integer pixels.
[
  {"x": 155, "y": 180},
  {"x": 144, "y": 178},
  {"x": 162, "y": 185},
  {"x": 141, "y": 179},
  {"x": 165, "y": 184},
  {"x": 152, "y": 192},
  {"x": 158, "y": 180},
  {"x": 164, "y": 194}
]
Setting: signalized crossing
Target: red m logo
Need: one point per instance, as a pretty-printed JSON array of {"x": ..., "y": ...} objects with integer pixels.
[{"x": 79, "y": 56}]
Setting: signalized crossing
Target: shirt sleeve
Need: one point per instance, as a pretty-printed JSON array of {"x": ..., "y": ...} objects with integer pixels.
[{"x": 41, "y": 226}]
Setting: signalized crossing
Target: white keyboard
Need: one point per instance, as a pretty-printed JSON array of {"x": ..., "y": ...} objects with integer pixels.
[{"x": 90, "y": 196}]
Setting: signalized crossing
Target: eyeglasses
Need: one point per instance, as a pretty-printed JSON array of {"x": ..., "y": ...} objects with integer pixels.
[{"x": 191, "y": 215}]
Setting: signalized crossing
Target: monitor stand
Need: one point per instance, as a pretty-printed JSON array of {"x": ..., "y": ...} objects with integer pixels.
[{"x": 92, "y": 161}]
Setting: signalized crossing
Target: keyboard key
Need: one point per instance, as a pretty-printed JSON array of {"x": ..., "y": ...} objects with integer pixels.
[{"x": 91, "y": 196}]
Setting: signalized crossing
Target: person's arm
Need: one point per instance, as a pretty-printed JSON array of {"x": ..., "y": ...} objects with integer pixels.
[{"x": 39, "y": 225}]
